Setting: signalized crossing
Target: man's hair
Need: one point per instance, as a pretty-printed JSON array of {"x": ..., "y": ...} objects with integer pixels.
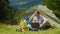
[{"x": 38, "y": 12}]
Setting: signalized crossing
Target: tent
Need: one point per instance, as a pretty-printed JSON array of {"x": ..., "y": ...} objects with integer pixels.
[{"x": 52, "y": 19}]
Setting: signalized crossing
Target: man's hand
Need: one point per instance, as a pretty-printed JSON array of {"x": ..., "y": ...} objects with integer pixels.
[
  {"x": 41, "y": 25},
  {"x": 44, "y": 22}
]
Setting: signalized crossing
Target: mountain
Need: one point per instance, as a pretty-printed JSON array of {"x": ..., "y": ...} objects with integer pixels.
[{"x": 23, "y": 4}]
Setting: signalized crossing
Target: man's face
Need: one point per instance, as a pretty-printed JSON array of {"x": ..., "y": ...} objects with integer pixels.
[{"x": 38, "y": 15}]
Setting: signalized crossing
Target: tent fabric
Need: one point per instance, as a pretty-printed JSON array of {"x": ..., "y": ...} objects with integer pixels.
[{"x": 52, "y": 19}]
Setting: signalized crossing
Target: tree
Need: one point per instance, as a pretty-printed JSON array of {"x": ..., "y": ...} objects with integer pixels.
[
  {"x": 53, "y": 5},
  {"x": 6, "y": 13}
]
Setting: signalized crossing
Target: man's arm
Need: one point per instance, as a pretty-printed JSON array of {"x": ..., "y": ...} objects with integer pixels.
[{"x": 44, "y": 22}]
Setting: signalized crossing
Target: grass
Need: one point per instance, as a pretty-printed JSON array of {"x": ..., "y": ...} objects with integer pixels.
[{"x": 12, "y": 30}]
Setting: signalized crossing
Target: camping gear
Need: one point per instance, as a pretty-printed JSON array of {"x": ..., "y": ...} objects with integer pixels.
[
  {"x": 27, "y": 20},
  {"x": 23, "y": 26}
]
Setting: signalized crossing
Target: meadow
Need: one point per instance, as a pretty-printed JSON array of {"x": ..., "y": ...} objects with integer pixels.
[{"x": 5, "y": 29}]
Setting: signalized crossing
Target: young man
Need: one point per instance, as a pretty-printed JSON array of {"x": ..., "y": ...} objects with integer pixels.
[{"x": 41, "y": 20}]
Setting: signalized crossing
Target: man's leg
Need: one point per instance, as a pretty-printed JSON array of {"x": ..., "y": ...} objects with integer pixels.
[
  {"x": 29, "y": 26},
  {"x": 46, "y": 26}
]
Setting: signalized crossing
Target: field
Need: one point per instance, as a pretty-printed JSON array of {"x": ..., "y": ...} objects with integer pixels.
[{"x": 12, "y": 30}]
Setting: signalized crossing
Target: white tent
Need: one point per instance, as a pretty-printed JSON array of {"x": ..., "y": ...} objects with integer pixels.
[{"x": 46, "y": 13}]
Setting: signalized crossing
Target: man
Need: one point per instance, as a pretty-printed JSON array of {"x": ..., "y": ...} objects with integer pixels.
[{"x": 41, "y": 20}]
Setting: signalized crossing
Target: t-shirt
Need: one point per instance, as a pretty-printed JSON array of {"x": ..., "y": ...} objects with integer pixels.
[{"x": 40, "y": 20}]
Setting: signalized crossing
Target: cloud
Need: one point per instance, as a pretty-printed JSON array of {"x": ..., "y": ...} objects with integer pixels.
[{"x": 21, "y": 3}]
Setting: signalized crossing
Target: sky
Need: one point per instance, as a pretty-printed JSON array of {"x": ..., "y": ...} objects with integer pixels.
[{"x": 24, "y": 3}]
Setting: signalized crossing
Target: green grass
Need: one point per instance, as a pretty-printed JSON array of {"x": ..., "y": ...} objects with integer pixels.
[{"x": 12, "y": 30}]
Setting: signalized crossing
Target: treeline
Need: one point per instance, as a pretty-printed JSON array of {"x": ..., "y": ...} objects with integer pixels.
[
  {"x": 53, "y": 5},
  {"x": 8, "y": 14},
  {"x": 20, "y": 14},
  {"x": 5, "y": 10}
]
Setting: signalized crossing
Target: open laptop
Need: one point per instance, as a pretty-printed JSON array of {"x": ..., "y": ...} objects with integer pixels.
[{"x": 35, "y": 25}]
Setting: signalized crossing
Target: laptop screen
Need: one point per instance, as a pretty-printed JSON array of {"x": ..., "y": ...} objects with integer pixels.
[{"x": 35, "y": 25}]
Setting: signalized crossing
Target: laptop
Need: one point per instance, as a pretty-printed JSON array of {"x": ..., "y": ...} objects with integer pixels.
[{"x": 35, "y": 25}]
